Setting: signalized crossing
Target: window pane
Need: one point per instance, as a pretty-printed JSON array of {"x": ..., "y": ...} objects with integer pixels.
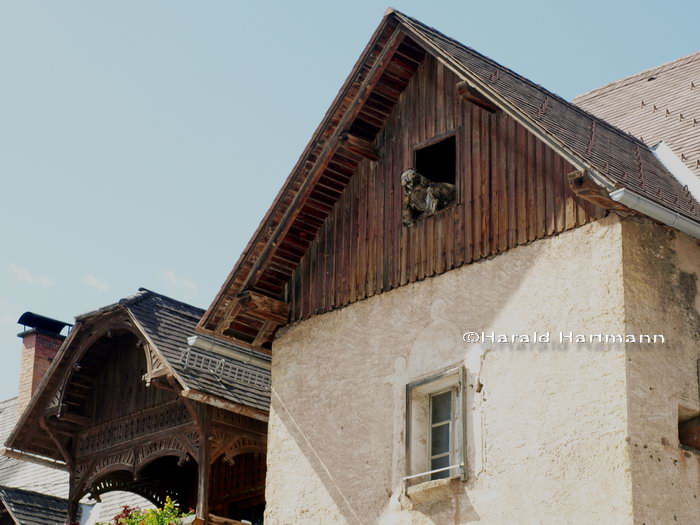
[
  {"x": 440, "y": 439},
  {"x": 442, "y": 407},
  {"x": 440, "y": 463}
]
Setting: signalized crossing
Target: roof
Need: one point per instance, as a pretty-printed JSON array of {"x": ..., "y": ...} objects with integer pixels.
[
  {"x": 594, "y": 143},
  {"x": 32, "y": 508},
  {"x": 168, "y": 323},
  {"x": 24, "y": 474},
  {"x": 659, "y": 104},
  {"x": 615, "y": 158}
]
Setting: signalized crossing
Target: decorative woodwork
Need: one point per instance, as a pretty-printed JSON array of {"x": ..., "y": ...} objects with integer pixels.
[
  {"x": 114, "y": 432},
  {"x": 267, "y": 313},
  {"x": 155, "y": 367}
]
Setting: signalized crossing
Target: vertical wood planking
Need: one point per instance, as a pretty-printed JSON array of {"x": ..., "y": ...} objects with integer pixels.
[
  {"x": 511, "y": 189},
  {"x": 477, "y": 207}
]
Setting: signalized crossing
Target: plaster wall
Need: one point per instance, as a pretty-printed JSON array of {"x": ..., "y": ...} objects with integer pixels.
[
  {"x": 661, "y": 271},
  {"x": 546, "y": 423}
]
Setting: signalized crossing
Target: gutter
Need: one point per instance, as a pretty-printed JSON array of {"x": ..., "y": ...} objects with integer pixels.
[
  {"x": 685, "y": 178},
  {"x": 207, "y": 344},
  {"x": 656, "y": 211},
  {"x": 31, "y": 458}
]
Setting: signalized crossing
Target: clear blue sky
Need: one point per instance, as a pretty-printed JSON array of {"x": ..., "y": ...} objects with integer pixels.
[{"x": 142, "y": 142}]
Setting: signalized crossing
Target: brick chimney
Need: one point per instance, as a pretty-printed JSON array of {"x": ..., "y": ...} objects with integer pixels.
[{"x": 41, "y": 340}]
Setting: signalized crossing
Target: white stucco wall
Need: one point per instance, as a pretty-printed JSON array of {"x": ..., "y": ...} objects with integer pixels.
[{"x": 546, "y": 433}]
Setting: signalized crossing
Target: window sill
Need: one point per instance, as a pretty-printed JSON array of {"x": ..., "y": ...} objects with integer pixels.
[{"x": 433, "y": 490}]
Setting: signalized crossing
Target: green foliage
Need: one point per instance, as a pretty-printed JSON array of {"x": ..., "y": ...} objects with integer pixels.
[{"x": 168, "y": 515}]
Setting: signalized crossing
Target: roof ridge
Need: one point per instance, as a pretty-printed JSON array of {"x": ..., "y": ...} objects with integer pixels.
[
  {"x": 636, "y": 77},
  {"x": 526, "y": 80},
  {"x": 145, "y": 292},
  {"x": 135, "y": 298}
]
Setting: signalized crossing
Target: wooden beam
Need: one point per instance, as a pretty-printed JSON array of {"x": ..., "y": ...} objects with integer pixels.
[
  {"x": 215, "y": 401},
  {"x": 69, "y": 417},
  {"x": 230, "y": 313},
  {"x": 363, "y": 148},
  {"x": 583, "y": 187},
  {"x": 264, "y": 307},
  {"x": 204, "y": 465},
  {"x": 61, "y": 448},
  {"x": 265, "y": 334},
  {"x": 468, "y": 92}
]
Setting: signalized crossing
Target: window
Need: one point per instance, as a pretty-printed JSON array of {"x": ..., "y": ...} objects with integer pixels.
[
  {"x": 435, "y": 426},
  {"x": 437, "y": 162}
]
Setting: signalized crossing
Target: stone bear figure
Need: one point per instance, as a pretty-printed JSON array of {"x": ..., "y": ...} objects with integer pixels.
[{"x": 422, "y": 197}]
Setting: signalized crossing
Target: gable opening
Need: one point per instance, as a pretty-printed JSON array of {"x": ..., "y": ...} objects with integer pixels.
[{"x": 437, "y": 162}]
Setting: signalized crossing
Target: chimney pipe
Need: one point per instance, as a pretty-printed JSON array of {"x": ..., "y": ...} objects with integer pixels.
[{"x": 41, "y": 340}]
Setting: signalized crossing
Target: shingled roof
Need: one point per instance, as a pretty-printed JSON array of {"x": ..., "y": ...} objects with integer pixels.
[
  {"x": 168, "y": 323},
  {"x": 659, "y": 104},
  {"x": 591, "y": 142},
  {"x": 612, "y": 158},
  {"x": 31, "y": 508},
  {"x": 220, "y": 378}
]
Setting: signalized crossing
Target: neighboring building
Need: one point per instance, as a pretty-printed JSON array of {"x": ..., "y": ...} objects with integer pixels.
[
  {"x": 134, "y": 402},
  {"x": 532, "y": 215},
  {"x": 33, "y": 490},
  {"x": 23, "y": 507}
]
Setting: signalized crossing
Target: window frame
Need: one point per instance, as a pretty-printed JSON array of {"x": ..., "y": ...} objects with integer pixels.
[
  {"x": 442, "y": 137},
  {"x": 451, "y": 379}
]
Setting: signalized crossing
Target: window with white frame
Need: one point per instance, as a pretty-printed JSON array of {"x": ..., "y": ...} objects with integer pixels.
[{"x": 435, "y": 426}]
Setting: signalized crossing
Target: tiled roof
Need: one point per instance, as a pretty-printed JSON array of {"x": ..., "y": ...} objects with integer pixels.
[
  {"x": 32, "y": 508},
  {"x": 24, "y": 474},
  {"x": 595, "y": 143},
  {"x": 168, "y": 323},
  {"x": 660, "y": 104}
]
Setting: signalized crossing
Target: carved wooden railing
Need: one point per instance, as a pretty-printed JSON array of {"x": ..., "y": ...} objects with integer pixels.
[{"x": 131, "y": 428}]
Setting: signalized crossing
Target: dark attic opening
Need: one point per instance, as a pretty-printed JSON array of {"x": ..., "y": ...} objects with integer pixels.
[
  {"x": 438, "y": 162},
  {"x": 430, "y": 185}
]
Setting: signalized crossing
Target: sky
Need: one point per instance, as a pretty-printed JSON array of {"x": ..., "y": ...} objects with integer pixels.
[{"x": 142, "y": 142}]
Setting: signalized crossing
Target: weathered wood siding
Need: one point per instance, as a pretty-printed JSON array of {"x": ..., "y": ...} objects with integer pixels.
[
  {"x": 511, "y": 190},
  {"x": 119, "y": 389}
]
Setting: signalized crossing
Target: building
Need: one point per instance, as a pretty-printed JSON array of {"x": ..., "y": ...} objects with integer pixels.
[
  {"x": 481, "y": 300},
  {"x": 134, "y": 402},
  {"x": 33, "y": 490}
]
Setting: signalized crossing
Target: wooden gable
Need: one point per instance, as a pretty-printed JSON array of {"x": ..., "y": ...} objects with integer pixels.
[
  {"x": 334, "y": 234},
  {"x": 511, "y": 189}
]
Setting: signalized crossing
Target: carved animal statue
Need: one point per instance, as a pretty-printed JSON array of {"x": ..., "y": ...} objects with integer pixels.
[{"x": 422, "y": 197}]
